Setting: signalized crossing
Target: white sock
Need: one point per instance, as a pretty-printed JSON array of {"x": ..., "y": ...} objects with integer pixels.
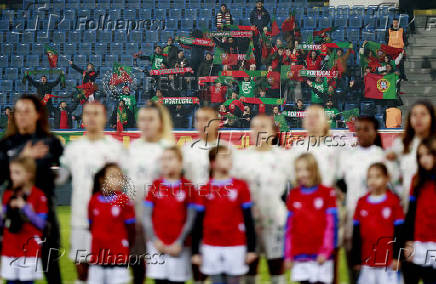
[{"x": 277, "y": 279}]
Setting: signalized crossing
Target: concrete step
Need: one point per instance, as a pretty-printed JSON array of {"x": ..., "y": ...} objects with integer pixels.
[
  {"x": 421, "y": 89},
  {"x": 408, "y": 101},
  {"x": 426, "y": 75},
  {"x": 422, "y": 51},
  {"x": 428, "y": 63}
]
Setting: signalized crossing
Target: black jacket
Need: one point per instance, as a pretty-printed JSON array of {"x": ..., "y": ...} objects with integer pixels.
[
  {"x": 43, "y": 88},
  {"x": 11, "y": 147},
  {"x": 206, "y": 68},
  {"x": 57, "y": 118},
  {"x": 89, "y": 75},
  {"x": 261, "y": 22}
]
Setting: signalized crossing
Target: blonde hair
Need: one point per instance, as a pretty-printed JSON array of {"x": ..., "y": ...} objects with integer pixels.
[
  {"x": 323, "y": 118},
  {"x": 28, "y": 164},
  {"x": 166, "y": 131},
  {"x": 312, "y": 165}
]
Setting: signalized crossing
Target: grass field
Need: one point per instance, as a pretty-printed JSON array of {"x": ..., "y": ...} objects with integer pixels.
[{"x": 68, "y": 269}]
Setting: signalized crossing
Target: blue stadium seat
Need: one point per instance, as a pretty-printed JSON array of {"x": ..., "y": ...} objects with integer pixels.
[
  {"x": 152, "y": 36},
  {"x": 75, "y": 36},
  {"x": 191, "y": 14},
  {"x": 95, "y": 59},
  {"x": 17, "y": 61},
  {"x": 325, "y": 22},
  {"x": 203, "y": 24},
  {"x": 309, "y": 22},
  {"x": 175, "y": 13},
  {"x": 64, "y": 25},
  {"x": 370, "y": 22},
  {"x": 43, "y": 37},
  {"x": 129, "y": 14},
  {"x": 104, "y": 36},
  {"x": 160, "y": 14},
  {"x": 163, "y": 4},
  {"x": 59, "y": 36},
  {"x": 28, "y": 37},
  {"x": 306, "y": 36},
  {"x": 80, "y": 60},
  {"x": 343, "y": 10},
  {"x": 73, "y": 74},
  {"x": 145, "y": 14},
  {"x": 116, "y": 48},
  {"x": 205, "y": 13},
  {"x": 89, "y": 36},
  {"x": 131, "y": 48},
  {"x": 7, "y": 48},
  {"x": 6, "y": 85},
  {"x": 126, "y": 60},
  {"x": 71, "y": 83},
  {"x": 281, "y": 12},
  {"x": 149, "y": 4},
  {"x": 100, "y": 48},
  {"x": 115, "y": 14},
  {"x": 135, "y": 36},
  {"x": 368, "y": 35},
  {"x": 4, "y": 25},
  {"x": 338, "y": 35},
  {"x": 371, "y": 10},
  {"x": 99, "y": 13},
  {"x": 103, "y": 4},
  {"x": 186, "y": 24},
  {"x": 380, "y": 35},
  {"x": 4, "y": 61},
  {"x": 171, "y": 24},
  {"x": 239, "y": 13},
  {"x": 84, "y": 13},
  {"x": 312, "y": 12},
  {"x": 69, "y": 14},
  {"x": 116, "y": 4},
  {"x": 367, "y": 108},
  {"x": 20, "y": 87},
  {"x": 353, "y": 35},
  {"x": 109, "y": 60},
  {"x": 12, "y": 37},
  {"x": 23, "y": 48},
  {"x": 383, "y": 22},
  {"x": 147, "y": 48},
  {"x": 404, "y": 20},
  {"x": 164, "y": 35},
  {"x": 69, "y": 48},
  {"x": 134, "y": 4},
  {"x": 32, "y": 60},
  {"x": 341, "y": 21},
  {"x": 244, "y": 22},
  {"x": 11, "y": 73},
  {"x": 85, "y": 48},
  {"x": 356, "y": 21},
  {"x": 194, "y": 3},
  {"x": 358, "y": 10},
  {"x": 381, "y": 121},
  {"x": 120, "y": 36},
  {"x": 38, "y": 48}
]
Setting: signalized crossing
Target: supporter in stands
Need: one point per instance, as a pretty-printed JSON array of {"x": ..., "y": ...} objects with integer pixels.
[
  {"x": 43, "y": 88},
  {"x": 181, "y": 61},
  {"x": 62, "y": 117},
  {"x": 85, "y": 91},
  {"x": 246, "y": 117},
  {"x": 197, "y": 52},
  {"x": 223, "y": 17},
  {"x": 122, "y": 117},
  {"x": 217, "y": 94},
  {"x": 318, "y": 90},
  {"x": 280, "y": 120},
  {"x": 296, "y": 121},
  {"x": 170, "y": 51},
  {"x": 260, "y": 18},
  {"x": 313, "y": 61},
  {"x": 206, "y": 66},
  {"x": 397, "y": 37},
  {"x": 341, "y": 61},
  {"x": 180, "y": 114},
  {"x": 273, "y": 78},
  {"x": 76, "y": 117},
  {"x": 332, "y": 113},
  {"x": 247, "y": 87},
  {"x": 4, "y": 119},
  {"x": 157, "y": 59}
]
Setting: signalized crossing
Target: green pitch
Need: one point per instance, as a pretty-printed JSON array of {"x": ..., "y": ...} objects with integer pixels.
[{"x": 69, "y": 272}]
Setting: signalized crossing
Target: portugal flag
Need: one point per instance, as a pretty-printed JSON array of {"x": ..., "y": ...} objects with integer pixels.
[
  {"x": 220, "y": 57},
  {"x": 381, "y": 87},
  {"x": 52, "y": 56}
]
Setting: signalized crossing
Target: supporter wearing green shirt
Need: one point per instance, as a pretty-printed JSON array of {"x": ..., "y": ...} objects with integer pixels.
[
  {"x": 157, "y": 59},
  {"x": 332, "y": 113},
  {"x": 247, "y": 87},
  {"x": 318, "y": 88},
  {"x": 280, "y": 120}
]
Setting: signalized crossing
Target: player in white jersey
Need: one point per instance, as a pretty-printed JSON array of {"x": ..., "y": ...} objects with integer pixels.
[
  {"x": 420, "y": 124},
  {"x": 320, "y": 143},
  {"x": 142, "y": 165},
  {"x": 196, "y": 157},
  {"x": 353, "y": 169},
  {"x": 83, "y": 158},
  {"x": 266, "y": 168}
]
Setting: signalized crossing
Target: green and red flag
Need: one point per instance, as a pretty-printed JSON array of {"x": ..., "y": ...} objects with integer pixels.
[
  {"x": 289, "y": 24},
  {"x": 120, "y": 74},
  {"x": 349, "y": 115},
  {"x": 249, "y": 56},
  {"x": 206, "y": 42},
  {"x": 291, "y": 72},
  {"x": 242, "y": 73},
  {"x": 222, "y": 58},
  {"x": 339, "y": 44},
  {"x": 381, "y": 87},
  {"x": 52, "y": 56},
  {"x": 275, "y": 30},
  {"x": 389, "y": 50}
]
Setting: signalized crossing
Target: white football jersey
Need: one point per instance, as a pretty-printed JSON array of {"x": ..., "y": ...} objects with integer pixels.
[
  {"x": 83, "y": 158},
  {"x": 142, "y": 166},
  {"x": 196, "y": 160},
  {"x": 267, "y": 173}
]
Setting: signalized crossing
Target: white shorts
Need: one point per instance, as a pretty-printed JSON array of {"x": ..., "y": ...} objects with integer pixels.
[
  {"x": 165, "y": 267},
  {"x": 378, "y": 275},
  {"x": 312, "y": 271},
  {"x": 22, "y": 269},
  {"x": 425, "y": 253},
  {"x": 110, "y": 275},
  {"x": 223, "y": 260},
  {"x": 271, "y": 242},
  {"x": 80, "y": 245}
]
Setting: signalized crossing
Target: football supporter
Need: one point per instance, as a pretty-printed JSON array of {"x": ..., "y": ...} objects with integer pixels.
[
  {"x": 142, "y": 166},
  {"x": 265, "y": 167},
  {"x": 83, "y": 158},
  {"x": 88, "y": 82},
  {"x": 28, "y": 135},
  {"x": 25, "y": 214},
  {"x": 420, "y": 222},
  {"x": 377, "y": 225},
  {"x": 420, "y": 124},
  {"x": 224, "y": 207},
  {"x": 112, "y": 225},
  {"x": 43, "y": 88},
  {"x": 169, "y": 214},
  {"x": 310, "y": 237}
]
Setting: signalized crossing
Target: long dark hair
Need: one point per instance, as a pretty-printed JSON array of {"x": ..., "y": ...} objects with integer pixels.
[
  {"x": 374, "y": 122},
  {"x": 423, "y": 175},
  {"x": 409, "y": 132},
  {"x": 42, "y": 126},
  {"x": 213, "y": 152},
  {"x": 100, "y": 176}
]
